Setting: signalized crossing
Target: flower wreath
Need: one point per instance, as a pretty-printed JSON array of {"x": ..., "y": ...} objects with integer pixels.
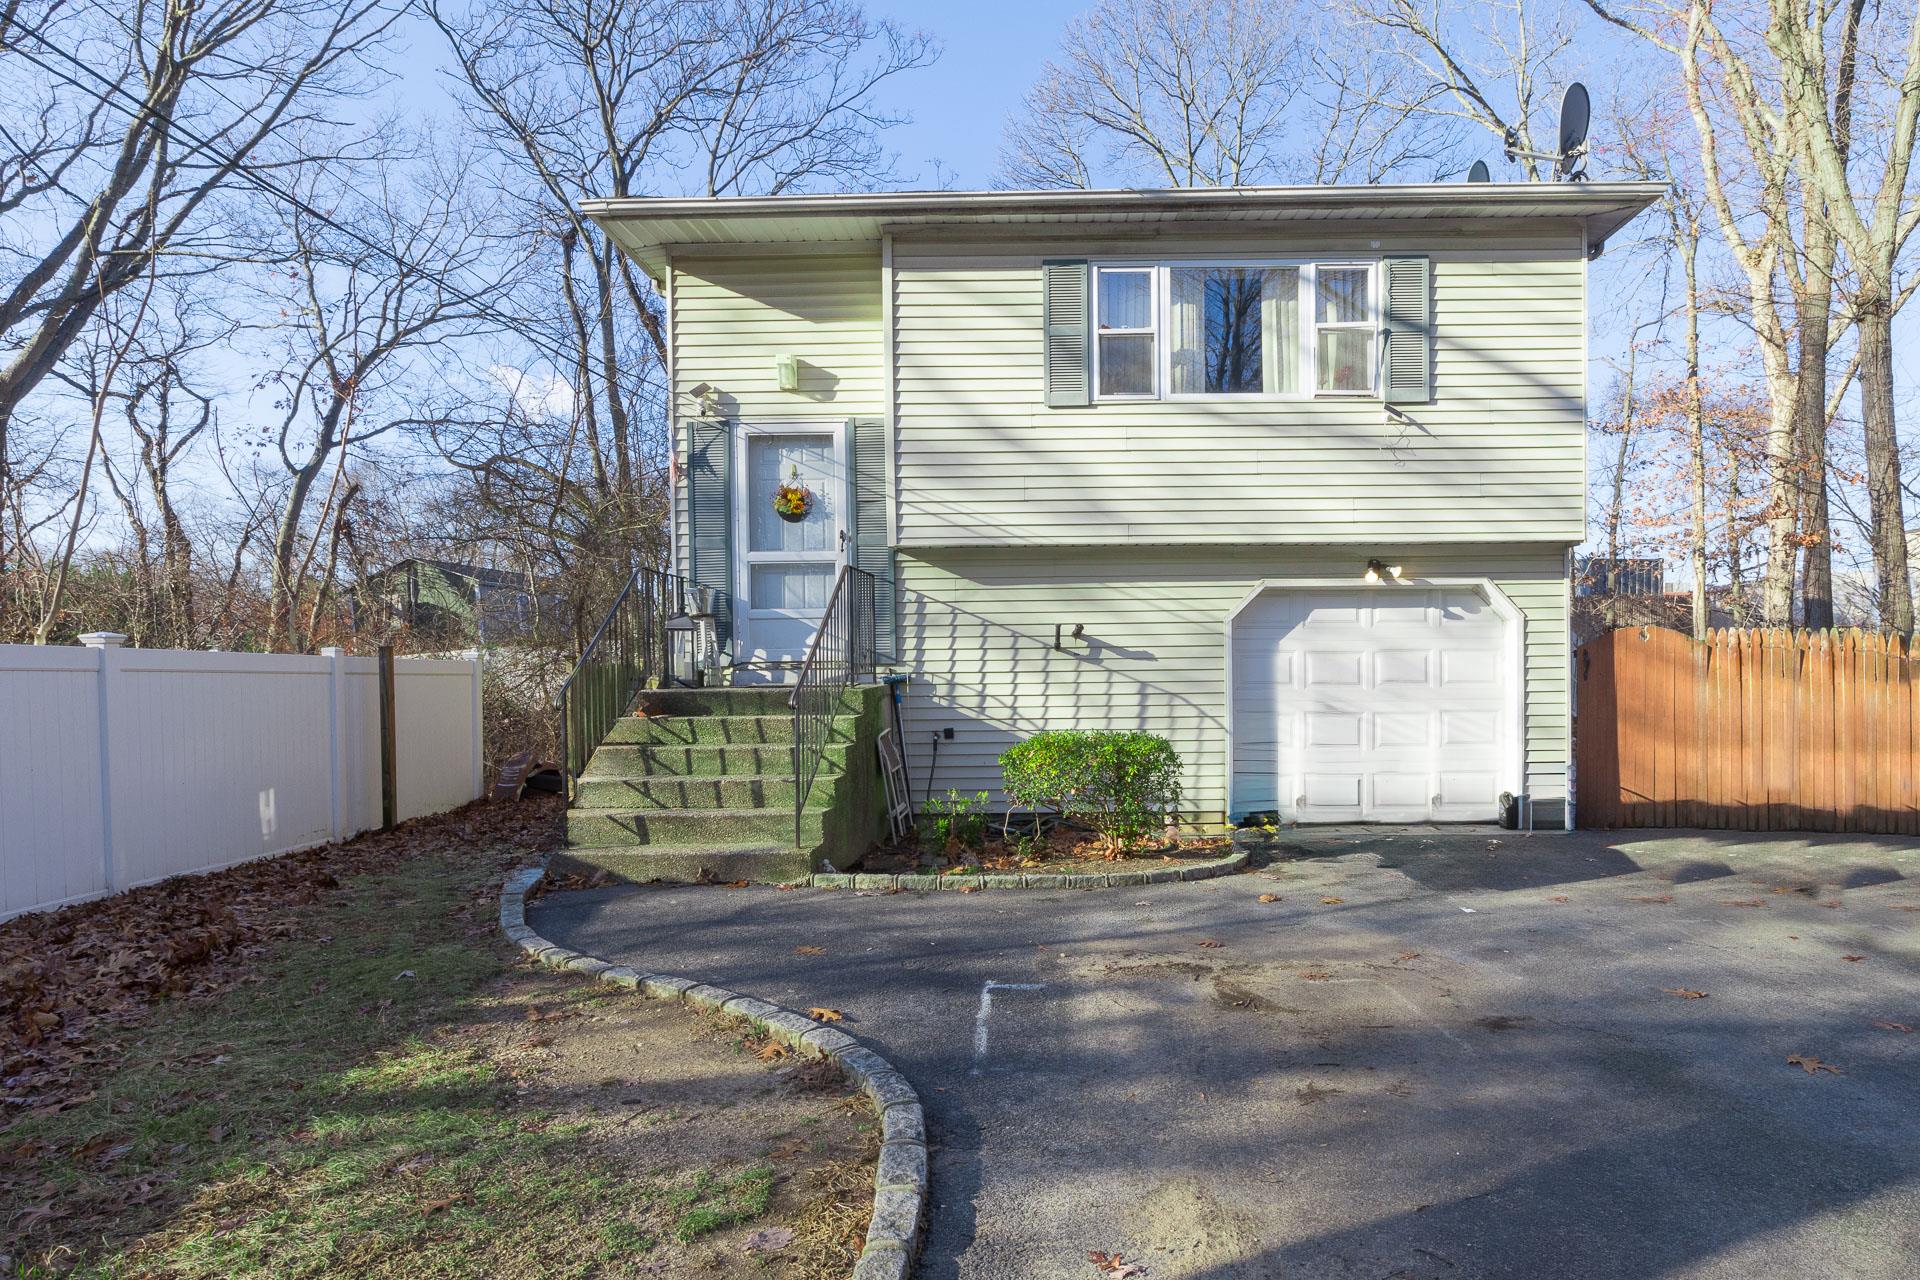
[{"x": 793, "y": 500}]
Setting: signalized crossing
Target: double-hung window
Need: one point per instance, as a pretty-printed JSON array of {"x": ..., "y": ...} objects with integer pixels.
[
  {"x": 1127, "y": 357},
  {"x": 1344, "y": 330},
  {"x": 1186, "y": 330}
]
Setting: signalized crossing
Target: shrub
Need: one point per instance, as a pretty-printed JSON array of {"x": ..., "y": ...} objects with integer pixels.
[
  {"x": 958, "y": 820},
  {"x": 1120, "y": 784}
]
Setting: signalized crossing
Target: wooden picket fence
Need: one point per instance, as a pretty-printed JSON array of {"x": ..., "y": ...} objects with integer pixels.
[{"x": 1748, "y": 731}]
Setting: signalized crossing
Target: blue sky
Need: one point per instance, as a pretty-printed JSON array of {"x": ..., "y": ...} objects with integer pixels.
[{"x": 992, "y": 50}]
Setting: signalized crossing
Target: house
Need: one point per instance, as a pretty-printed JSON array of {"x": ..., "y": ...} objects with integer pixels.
[
  {"x": 1290, "y": 475},
  {"x": 464, "y": 603}
]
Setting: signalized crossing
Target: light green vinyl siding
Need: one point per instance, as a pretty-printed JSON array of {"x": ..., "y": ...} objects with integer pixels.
[
  {"x": 977, "y": 628},
  {"x": 732, "y": 317},
  {"x": 1499, "y": 454}
]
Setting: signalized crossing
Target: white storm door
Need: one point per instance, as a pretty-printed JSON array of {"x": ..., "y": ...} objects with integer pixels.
[
  {"x": 1390, "y": 704},
  {"x": 786, "y": 569}
]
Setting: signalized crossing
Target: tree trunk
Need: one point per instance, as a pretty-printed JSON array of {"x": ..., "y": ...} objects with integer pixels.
[
  {"x": 1813, "y": 304},
  {"x": 1887, "y": 505},
  {"x": 1696, "y": 442}
]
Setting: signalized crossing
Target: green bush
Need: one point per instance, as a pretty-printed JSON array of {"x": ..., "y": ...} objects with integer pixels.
[
  {"x": 958, "y": 820},
  {"x": 1123, "y": 785}
]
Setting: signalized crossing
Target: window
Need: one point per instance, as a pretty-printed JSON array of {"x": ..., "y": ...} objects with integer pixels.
[
  {"x": 1231, "y": 330},
  {"x": 1234, "y": 329},
  {"x": 1126, "y": 309},
  {"x": 1343, "y": 329}
]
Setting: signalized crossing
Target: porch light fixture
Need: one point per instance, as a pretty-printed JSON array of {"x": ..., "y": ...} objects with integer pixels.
[
  {"x": 683, "y": 651},
  {"x": 786, "y": 372},
  {"x": 1379, "y": 570}
]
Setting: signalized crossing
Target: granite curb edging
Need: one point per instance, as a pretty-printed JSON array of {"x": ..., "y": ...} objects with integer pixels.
[
  {"x": 900, "y": 1177},
  {"x": 907, "y": 882}
]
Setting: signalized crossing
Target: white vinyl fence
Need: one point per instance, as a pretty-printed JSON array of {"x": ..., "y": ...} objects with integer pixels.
[{"x": 119, "y": 767}]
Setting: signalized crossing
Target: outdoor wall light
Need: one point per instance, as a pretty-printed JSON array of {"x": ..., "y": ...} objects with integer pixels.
[
  {"x": 786, "y": 372},
  {"x": 1378, "y": 570}
]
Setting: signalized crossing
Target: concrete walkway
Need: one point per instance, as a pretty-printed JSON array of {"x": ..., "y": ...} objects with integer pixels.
[{"x": 1436, "y": 1055}]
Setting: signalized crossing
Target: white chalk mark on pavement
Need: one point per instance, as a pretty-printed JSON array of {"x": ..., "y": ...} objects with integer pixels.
[{"x": 986, "y": 1009}]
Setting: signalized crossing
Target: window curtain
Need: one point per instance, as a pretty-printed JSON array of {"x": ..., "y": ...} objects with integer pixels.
[
  {"x": 1186, "y": 311},
  {"x": 1280, "y": 331}
]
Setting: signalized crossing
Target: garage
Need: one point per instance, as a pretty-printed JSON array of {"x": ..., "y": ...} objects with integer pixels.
[{"x": 1397, "y": 702}]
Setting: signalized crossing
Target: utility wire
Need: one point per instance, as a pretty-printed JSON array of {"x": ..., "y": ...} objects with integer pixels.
[{"x": 563, "y": 359}]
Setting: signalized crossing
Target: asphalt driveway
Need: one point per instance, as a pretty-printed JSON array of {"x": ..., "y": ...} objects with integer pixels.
[{"x": 1435, "y": 1055}]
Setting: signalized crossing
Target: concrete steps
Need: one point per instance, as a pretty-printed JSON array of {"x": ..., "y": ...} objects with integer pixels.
[{"x": 701, "y": 787}]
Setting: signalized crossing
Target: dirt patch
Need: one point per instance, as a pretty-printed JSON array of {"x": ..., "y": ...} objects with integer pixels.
[
  {"x": 1231, "y": 995},
  {"x": 1187, "y": 1230}
]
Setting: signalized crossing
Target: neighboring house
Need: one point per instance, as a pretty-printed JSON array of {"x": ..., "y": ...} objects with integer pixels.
[
  {"x": 1171, "y": 430},
  {"x": 457, "y": 601},
  {"x": 1620, "y": 576}
]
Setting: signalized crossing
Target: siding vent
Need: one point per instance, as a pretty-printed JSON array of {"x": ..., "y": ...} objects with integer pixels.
[
  {"x": 710, "y": 516},
  {"x": 1409, "y": 324},
  {"x": 1067, "y": 308}
]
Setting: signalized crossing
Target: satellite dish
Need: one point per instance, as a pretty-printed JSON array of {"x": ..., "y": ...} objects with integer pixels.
[
  {"x": 1479, "y": 172},
  {"x": 1576, "y": 113}
]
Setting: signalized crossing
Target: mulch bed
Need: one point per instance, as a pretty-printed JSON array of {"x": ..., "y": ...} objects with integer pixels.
[
  {"x": 1066, "y": 852},
  {"x": 73, "y": 980}
]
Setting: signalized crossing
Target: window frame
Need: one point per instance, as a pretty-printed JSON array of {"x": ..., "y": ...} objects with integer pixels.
[
  {"x": 1307, "y": 339},
  {"x": 1369, "y": 324},
  {"x": 1155, "y": 330}
]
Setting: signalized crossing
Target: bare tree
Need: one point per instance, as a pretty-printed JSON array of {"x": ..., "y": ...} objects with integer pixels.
[
  {"x": 375, "y": 302},
  {"x": 1216, "y": 94},
  {"x": 1793, "y": 102},
  {"x": 142, "y": 114},
  {"x": 1822, "y": 89},
  {"x": 1494, "y": 65},
  {"x": 580, "y": 100}
]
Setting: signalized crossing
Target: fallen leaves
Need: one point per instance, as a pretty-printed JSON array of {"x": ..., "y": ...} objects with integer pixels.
[
  {"x": 819, "y": 1014},
  {"x": 1742, "y": 902},
  {"x": 1268, "y": 897},
  {"x": 67, "y": 975},
  {"x": 1210, "y": 943},
  {"x": 1331, "y": 902},
  {"x": 1885, "y": 1025},
  {"x": 1853, "y": 959},
  {"x": 1115, "y": 1266},
  {"x": 1656, "y": 899},
  {"x": 431, "y": 1207},
  {"x": 772, "y": 1051},
  {"x": 1684, "y": 993},
  {"x": 1559, "y": 897},
  {"x": 809, "y": 951},
  {"x": 768, "y": 1240},
  {"x": 1812, "y": 1065}
]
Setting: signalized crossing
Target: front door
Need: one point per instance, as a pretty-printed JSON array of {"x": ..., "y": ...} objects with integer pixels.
[{"x": 787, "y": 567}]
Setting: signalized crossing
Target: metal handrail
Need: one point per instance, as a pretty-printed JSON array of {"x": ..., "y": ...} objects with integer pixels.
[
  {"x": 629, "y": 648},
  {"x": 841, "y": 656}
]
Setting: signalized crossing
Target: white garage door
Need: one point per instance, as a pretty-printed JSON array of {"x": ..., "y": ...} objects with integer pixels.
[{"x": 1388, "y": 704}]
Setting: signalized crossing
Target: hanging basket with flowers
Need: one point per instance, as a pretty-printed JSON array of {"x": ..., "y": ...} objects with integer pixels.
[{"x": 792, "y": 501}]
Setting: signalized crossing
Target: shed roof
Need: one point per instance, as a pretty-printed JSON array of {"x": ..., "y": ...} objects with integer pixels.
[{"x": 650, "y": 228}]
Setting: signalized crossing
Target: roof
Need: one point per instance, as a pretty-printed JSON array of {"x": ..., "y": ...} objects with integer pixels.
[
  {"x": 479, "y": 574},
  {"x": 649, "y": 228}
]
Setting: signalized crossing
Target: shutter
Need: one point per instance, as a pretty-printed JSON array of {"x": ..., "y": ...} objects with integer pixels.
[
  {"x": 1409, "y": 370},
  {"x": 872, "y": 538},
  {"x": 710, "y": 517},
  {"x": 1067, "y": 308}
]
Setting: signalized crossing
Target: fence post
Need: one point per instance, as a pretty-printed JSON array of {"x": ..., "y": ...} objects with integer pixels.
[
  {"x": 105, "y": 643},
  {"x": 389, "y": 766},
  {"x": 336, "y": 727},
  {"x": 478, "y": 658}
]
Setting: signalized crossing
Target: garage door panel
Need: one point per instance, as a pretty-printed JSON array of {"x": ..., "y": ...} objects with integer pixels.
[
  {"x": 1331, "y": 669},
  {"x": 1402, "y": 667},
  {"x": 1469, "y": 728},
  {"x": 1376, "y": 706},
  {"x": 1333, "y": 729},
  {"x": 1330, "y": 790},
  {"x": 1402, "y": 729}
]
